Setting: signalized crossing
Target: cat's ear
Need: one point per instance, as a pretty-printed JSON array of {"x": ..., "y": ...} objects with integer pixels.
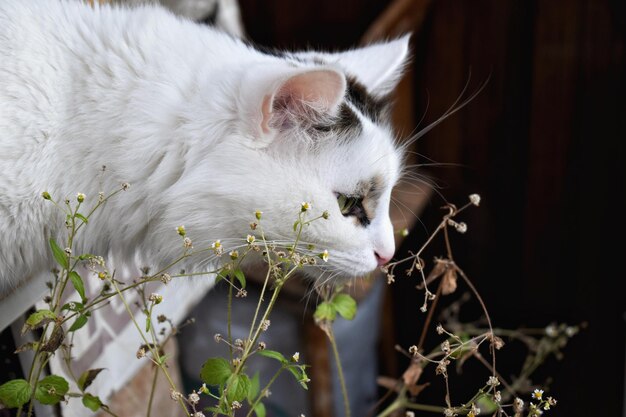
[
  {"x": 378, "y": 66},
  {"x": 287, "y": 100}
]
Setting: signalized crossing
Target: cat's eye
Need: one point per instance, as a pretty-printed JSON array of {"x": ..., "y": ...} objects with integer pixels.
[{"x": 348, "y": 204}]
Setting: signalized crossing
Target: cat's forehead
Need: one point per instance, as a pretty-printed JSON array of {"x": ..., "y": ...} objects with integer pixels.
[{"x": 369, "y": 160}]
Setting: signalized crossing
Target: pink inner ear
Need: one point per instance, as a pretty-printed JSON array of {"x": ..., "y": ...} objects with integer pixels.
[{"x": 322, "y": 90}]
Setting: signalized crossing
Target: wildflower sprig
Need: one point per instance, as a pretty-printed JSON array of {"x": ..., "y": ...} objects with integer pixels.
[
  {"x": 463, "y": 341},
  {"x": 229, "y": 376},
  {"x": 54, "y": 322}
]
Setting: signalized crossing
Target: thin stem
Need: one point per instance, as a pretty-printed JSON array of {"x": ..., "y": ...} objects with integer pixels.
[
  {"x": 152, "y": 389},
  {"x": 264, "y": 390},
  {"x": 229, "y": 321},
  {"x": 342, "y": 380},
  {"x": 108, "y": 411},
  {"x": 429, "y": 317},
  {"x": 155, "y": 354}
]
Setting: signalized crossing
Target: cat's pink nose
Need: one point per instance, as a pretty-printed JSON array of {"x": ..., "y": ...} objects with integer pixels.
[{"x": 382, "y": 259}]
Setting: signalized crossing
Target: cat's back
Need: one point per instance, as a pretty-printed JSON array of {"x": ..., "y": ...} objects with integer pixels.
[{"x": 71, "y": 71}]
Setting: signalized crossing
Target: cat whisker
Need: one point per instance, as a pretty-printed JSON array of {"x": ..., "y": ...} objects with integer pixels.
[{"x": 455, "y": 107}]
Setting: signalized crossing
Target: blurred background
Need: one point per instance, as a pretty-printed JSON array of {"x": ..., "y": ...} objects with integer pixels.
[{"x": 542, "y": 143}]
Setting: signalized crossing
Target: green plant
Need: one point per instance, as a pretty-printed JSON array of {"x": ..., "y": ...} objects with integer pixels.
[{"x": 226, "y": 380}]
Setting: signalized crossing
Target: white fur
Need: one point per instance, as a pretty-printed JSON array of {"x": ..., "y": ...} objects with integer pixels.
[{"x": 173, "y": 108}]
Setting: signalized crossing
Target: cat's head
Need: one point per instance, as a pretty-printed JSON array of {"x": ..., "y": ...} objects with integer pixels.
[{"x": 316, "y": 129}]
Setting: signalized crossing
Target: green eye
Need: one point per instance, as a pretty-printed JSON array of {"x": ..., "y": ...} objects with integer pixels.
[{"x": 347, "y": 204}]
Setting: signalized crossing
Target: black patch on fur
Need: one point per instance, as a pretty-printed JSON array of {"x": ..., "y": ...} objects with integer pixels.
[
  {"x": 372, "y": 107},
  {"x": 346, "y": 123},
  {"x": 211, "y": 18},
  {"x": 360, "y": 214},
  {"x": 371, "y": 191}
]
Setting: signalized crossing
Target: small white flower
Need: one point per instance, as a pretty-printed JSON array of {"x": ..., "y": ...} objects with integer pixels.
[
  {"x": 165, "y": 278},
  {"x": 551, "y": 331},
  {"x": 305, "y": 206},
  {"x": 250, "y": 239},
  {"x": 80, "y": 197},
  {"x": 475, "y": 199},
  {"x": 497, "y": 397},
  {"x": 493, "y": 381},
  {"x": 461, "y": 227},
  {"x": 194, "y": 398},
  {"x": 217, "y": 244},
  {"x": 324, "y": 255},
  {"x": 155, "y": 298},
  {"x": 295, "y": 357},
  {"x": 181, "y": 230},
  {"x": 175, "y": 395},
  {"x": 537, "y": 394}
]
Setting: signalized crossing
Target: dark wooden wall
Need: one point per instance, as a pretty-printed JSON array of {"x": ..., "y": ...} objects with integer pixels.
[{"x": 543, "y": 143}]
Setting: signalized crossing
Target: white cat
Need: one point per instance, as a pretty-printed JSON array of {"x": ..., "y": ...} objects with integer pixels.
[{"x": 204, "y": 127}]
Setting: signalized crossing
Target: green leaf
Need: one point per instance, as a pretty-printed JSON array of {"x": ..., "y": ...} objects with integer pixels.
[
  {"x": 273, "y": 354},
  {"x": 325, "y": 312},
  {"x": 238, "y": 387},
  {"x": 80, "y": 321},
  {"x": 220, "y": 276},
  {"x": 15, "y": 393},
  {"x": 77, "y": 281},
  {"x": 38, "y": 319},
  {"x": 259, "y": 410},
  {"x": 255, "y": 386},
  {"x": 87, "y": 377},
  {"x": 240, "y": 277},
  {"x": 86, "y": 256},
  {"x": 295, "y": 371},
  {"x": 298, "y": 372},
  {"x": 486, "y": 405},
  {"x": 92, "y": 402},
  {"x": 59, "y": 254},
  {"x": 51, "y": 389},
  {"x": 72, "y": 306},
  {"x": 345, "y": 306},
  {"x": 215, "y": 371},
  {"x": 295, "y": 225},
  {"x": 148, "y": 323},
  {"x": 83, "y": 218}
]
